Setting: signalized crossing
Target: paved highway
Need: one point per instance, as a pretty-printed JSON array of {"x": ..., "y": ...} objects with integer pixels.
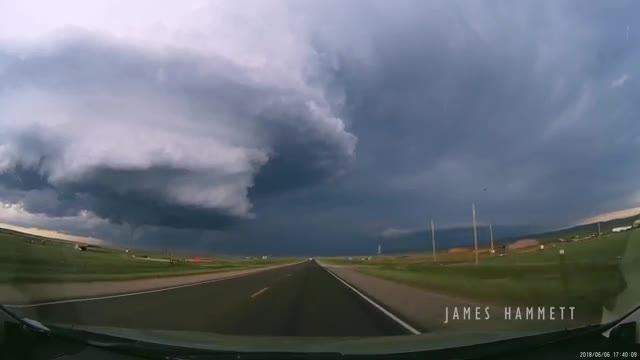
[{"x": 298, "y": 300}]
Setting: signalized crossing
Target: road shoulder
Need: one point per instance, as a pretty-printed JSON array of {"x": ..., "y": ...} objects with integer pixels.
[
  {"x": 427, "y": 310},
  {"x": 29, "y": 293}
]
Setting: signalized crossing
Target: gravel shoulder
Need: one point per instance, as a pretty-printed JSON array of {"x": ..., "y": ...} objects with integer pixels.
[
  {"x": 426, "y": 310},
  {"x": 28, "y": 293}
]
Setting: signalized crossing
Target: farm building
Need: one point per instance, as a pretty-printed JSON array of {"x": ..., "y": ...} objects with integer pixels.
[
  {"x": 459, "y": 250},
  {"x": 81, "y": 247},
  {"x": 621, "y": 228},
  {"x": 524, "y": 243}
]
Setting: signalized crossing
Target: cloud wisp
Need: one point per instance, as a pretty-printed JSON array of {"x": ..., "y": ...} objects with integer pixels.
[{"x": 619, "y": 82}]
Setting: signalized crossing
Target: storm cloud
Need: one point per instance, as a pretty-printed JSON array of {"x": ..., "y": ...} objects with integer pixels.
[
  {"x": 505, "y": 104},
  {"x": 347, "y": 118},
  {"x": 147, "y": 139}
]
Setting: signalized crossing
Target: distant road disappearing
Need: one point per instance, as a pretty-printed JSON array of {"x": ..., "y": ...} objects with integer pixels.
[{"x": 297, "y": 300}]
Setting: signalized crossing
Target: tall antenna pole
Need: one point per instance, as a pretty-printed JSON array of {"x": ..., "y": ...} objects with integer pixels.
[
  {"x": 491, "y": 235},
  {"x": 433, "y": 240},
  {"x": 379, "y": 249},
  {"x": 598, "y": 230},
  {"x": 475, "y": 231}
]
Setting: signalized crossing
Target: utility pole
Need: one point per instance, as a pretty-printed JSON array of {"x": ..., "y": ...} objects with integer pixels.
[
  {"x": 379, "y": 249},
  {"x": 433, "y": 240},
  {"x": 475, "y": 231},
  {"x": 491, "y": 235},
  {"x": 598, "y": 230}
]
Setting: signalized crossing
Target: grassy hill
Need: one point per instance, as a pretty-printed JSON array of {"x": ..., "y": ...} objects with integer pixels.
[
  {"x": 32, "y": 258},
  {"x": 585, "y": 229}
]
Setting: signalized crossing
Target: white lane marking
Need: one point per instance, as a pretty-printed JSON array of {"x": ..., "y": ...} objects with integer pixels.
[
  {"x": 408, "y": 327},
  {"x": 259, "y": 292},
  {"x": 140, "y": 292}
]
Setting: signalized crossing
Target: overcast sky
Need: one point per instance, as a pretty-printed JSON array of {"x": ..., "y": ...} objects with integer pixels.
[{"x": 304, "y": 126}]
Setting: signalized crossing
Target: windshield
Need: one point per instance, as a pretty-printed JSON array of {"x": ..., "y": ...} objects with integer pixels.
[{"x": 298, "y": 172}]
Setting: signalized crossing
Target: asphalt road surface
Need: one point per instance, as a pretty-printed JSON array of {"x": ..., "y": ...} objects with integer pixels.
[{"x": 298, "y": 300}]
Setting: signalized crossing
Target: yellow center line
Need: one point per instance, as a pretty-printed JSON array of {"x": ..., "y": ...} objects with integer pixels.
[{"x": 259, "y": 292}]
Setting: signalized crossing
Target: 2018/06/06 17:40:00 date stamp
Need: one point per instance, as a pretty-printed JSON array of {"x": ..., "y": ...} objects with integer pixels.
[{"x": 609, "y": 354}]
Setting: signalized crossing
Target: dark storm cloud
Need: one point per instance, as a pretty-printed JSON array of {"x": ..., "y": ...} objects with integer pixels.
[
  {"x": 451, "y": 98},
  {"x": 164, "y": 140},
  {"x": 21, "y": 178},
  {"x": 101, "y": 194}
]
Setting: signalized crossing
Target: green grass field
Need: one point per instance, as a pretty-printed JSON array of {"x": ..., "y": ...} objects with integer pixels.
[
  {"x": 26, "y": 259},
  {"x": 586, "y": 276}
]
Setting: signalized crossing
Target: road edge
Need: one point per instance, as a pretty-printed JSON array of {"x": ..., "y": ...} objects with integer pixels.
[{"x": 390, "y": 315}]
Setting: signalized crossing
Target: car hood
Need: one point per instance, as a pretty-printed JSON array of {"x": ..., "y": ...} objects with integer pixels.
[{"x": 345, "y": 345}]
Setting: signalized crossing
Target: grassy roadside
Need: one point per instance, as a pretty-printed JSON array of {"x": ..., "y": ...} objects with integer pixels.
[
  {"x": 25, "y": 260},
  {"x": 587, "y": 276}
]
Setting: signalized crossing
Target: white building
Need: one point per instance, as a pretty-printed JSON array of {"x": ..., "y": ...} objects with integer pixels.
[{"x": 621, "y": 228}]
